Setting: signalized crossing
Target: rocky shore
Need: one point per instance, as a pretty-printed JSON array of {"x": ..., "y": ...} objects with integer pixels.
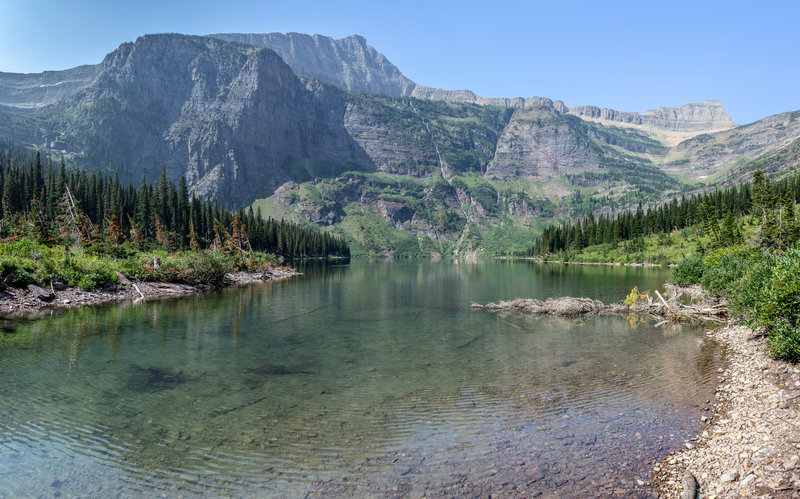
[
  {"x": 33, "y": 301},
  {"x": 751, "y": 444}
]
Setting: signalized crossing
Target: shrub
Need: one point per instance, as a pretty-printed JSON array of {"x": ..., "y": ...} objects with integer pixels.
[
  {"x": 723, "y": 269},
  {"x": 784, "y": 341},
  {"x": 745, "y": 296},
  {"x": 208, "y": 267},
  {"x": 17, "y": 271},
  {"x": 689, "y": 271},
  {"x": 780, "y": 292}
]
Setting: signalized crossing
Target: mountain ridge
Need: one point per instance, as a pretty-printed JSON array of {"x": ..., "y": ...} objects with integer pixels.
[{"x": 448, "y": 173}]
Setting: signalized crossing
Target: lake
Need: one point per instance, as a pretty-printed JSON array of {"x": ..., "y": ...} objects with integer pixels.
[{"x": 368, "y": 379}]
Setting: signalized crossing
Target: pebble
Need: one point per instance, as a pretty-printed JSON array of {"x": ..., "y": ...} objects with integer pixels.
[
  {"x": 748, "y": 480},
  {"x": 754, "y": 434}
]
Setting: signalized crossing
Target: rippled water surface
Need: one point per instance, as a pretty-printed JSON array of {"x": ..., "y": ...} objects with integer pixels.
[{"x": 367, "y": 379}]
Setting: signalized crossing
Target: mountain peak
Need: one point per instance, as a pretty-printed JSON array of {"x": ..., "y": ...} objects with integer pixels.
[{"x": 349, "y": 63}]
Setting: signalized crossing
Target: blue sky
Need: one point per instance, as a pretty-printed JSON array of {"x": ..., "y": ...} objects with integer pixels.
[{"x": 626, "y": 55}]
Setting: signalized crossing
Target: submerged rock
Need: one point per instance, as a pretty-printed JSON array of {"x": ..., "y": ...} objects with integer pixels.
[{"x": 153, "y": 379}]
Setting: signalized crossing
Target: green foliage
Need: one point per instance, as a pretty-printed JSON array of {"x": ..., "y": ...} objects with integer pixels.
[
  {"x": 97, "y": 212},
  {"x": 724, "y": 268},
  {"x": 689, "y": 271},
  {"x": 207, "y": 267},
  {"x": 370, "y": 234},
  {"x": 26, "y": 261},
  {"x": 784, "y": 341},
  {"x": 780, "y": 293},
  {"x": 485, "y": 194}
]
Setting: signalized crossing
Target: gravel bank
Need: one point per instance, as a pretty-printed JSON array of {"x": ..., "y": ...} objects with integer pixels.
[
  {"x": 34, "y": 302},
  {"x": 751, "y": 445}
]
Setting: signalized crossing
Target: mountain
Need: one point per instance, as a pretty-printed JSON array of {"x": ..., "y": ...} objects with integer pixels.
[
  {"x": 348, "y": 63},
  {"x": 329, "y": 132},
  {"x": 233, "y": 119},
  {"x": 671, "y": 125},
  {"x": 42, "y": 89}
]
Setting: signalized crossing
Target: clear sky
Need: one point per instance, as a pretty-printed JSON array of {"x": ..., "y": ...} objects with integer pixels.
[{"x": 625, "y": 55}]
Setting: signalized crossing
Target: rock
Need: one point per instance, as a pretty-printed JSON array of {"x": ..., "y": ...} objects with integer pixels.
[
  {"x": 706, "y": 116},
  {"x": 41, "y": 293},
  {"x": 535, "y": 474},
  {"x": 689, "y": 486},
  {"x": 730, "y": 476},
  {"x": 539, "y": 143},
  {"x": 347, "y": 62},
  {"x": 688, "y": 445},
  {"x": 58, "y": 285},
  {"x": 748, "y": 480}
]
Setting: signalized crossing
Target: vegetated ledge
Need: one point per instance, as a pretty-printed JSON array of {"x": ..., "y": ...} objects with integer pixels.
[
  {"x": 750, "y": 444},
  {"x": 33, "y": 302}
]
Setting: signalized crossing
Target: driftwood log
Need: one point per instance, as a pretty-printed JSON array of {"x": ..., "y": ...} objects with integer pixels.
[{"x": 699, "y": 307}]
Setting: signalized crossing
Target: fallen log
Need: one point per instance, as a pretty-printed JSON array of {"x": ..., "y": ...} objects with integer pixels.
[{"x": 710, "y": 310}]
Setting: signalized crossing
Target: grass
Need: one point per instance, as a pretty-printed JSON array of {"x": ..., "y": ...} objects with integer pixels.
[
  {"x": 657, "y": 249},
  {"x": 369, "y": 234},
  {"x": 25, "y": 261}
]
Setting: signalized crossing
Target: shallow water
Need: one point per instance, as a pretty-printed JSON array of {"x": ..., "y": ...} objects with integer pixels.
[{"x": 367, "y": 379}]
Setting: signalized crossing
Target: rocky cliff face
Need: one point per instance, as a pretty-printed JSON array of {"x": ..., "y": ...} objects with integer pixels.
[
  {"x": 469, "y": 97},
  {"x": 42, "y": 89},
  {"x": 233, "y": 119},
  {"x": 540, "y": 143},
  {"x": 697, "y": 117},
  {"x": 348, "y": 63}
]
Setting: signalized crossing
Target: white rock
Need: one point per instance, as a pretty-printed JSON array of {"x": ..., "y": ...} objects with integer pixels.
[
  {"x": 748, "y": 480},
  {"x": 730, "y": 476}
]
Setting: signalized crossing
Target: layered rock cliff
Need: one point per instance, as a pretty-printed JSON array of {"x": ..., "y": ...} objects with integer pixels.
[{"x": 698, "y": 117}]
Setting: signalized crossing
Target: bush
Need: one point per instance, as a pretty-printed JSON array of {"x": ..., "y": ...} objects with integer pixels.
[
  {"x": 745, "y": 296},
  {"x": 208, "y": 267},
  {"x": 784, "y": 341},
  {"x": 17, "y": 271},
  {"x": 780, "y": 292},
  {"x": 723, "y": 269},
  {"x": 689, "y": 271}
]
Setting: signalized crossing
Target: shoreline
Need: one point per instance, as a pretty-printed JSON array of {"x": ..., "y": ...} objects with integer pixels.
[
  {"x": 568, "y": 262},
  {"x": 750, "y": 444},
  {"x": 33, "y": 302}
]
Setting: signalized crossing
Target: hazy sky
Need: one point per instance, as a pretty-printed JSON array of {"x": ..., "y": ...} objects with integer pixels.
[{"x": 626, "y": 55}]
